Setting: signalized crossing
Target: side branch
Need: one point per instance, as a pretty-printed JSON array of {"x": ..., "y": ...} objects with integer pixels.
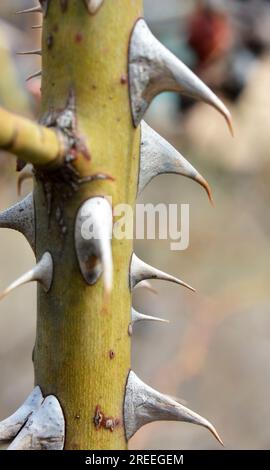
[{"x": 29, "y": 141}]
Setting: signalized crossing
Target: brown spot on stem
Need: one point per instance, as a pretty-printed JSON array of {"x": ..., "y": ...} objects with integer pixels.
[
  {"x": 50, "y": 41},
  {"x": 101, "y": 421},
  {"x": 111, "y": 354},
  {"x": 123, "y": 79},
  {"x": 64, "y": 5},
  {"x": 78, "y": 38}
]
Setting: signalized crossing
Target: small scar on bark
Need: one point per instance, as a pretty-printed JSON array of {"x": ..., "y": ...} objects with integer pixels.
[
  {"x": 101, "y": 421},
  {"x": 111, "y": 354},
  {"x": 50, "y": 41},
  {"x": 78, "y": 38},
  {"x": 123, "y": 79},
  {"x": 64, "y": 5}
]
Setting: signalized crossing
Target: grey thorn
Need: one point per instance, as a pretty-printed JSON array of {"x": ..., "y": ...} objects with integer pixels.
[
  {"x": 159, "y": 157},
  {"x": 30, "y": 10},
  {"x": 154, "y": 69},
  {"x": 44, "y": 430},
  {"x": 93, "y": 5},
  {"x": 42, "y": 273},
  {"x": 34, "y": 52},
  {"x": 140, "y": 271},
  {"x": 146, "y": 285},
  {"x": 26, "y": 173},
  {"x": 93, "y": 247},
  {"x": 21, "y": 217},
  {"x": 34, "y": 75},
  {"x": 10, "y": 427},
  {"x": 145, "y": 405},
  {"x": 138, "y": 317}
]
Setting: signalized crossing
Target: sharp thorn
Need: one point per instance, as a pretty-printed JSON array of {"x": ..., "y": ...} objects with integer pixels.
[
  {"x": 154, "y": 69},
  {"x": 144, "y": 405},
  {"x": 146, "y": 285},
  {"x": 140, "y": 271},
  {"x": 158, "y": 157},
  {"x": 34, "y": 75},
  {"x": 21, "y": 217},
  {"x": 138, "y": 317},
  {"x": 34, "y": 52},
  {"x": 37, "y": 9},
  {"x": 42, "y": 273}
]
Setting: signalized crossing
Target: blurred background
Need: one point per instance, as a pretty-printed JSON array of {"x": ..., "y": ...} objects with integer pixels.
[{"x": 215, "y": 353}]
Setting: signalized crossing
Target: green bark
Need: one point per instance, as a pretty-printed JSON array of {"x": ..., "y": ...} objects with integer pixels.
[{"x": 82, "y": 351}]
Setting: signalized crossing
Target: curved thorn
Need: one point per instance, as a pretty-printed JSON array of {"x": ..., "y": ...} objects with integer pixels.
[
  {"x": 44, "y": 430},
  {"x": 21, "y": 217},
  {"x": 26, "y": 173},
  {"x": 146, "y": 285},
  {"x": 144, "y": 405},
  {"x": 11, "y": 425},
  {"x": 154, "y": 69},
  {"x": 158, "y": 157},
  {"x": 42, "y": 273},
  {"x": 34, "y": 52},
  {"x": 93, "y": 233},
  {"x": 30, "y": 10},
  {"x": 139, "y": 271},
  {"x": 34, "y": 75}
]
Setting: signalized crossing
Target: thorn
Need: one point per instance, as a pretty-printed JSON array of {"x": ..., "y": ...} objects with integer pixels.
[
  {"x": 158, "y": 157},
  {"x": 137, "y": 317},
  {"x": 21, "y": 217},
  {"x": 35, "y": 52},
  {"x": 30, "y": 10},
  {"x": 42, "y": 272},
  {"x": 139, "y": 271},
  {"x": 10, "y": 427},
  {"x": 44, "y": 430},
  {"x": 146, "y": 285},
  {"x": 206, "y": 186},
  {"x": 93, "y": 5},
  {"x": 93, "y": 233},
  {"x": 145, "y": 405},
  {"x": 26, "y": 173},
  {"x": 34, "y": 75},
  {"x": 154, "y": 69}
]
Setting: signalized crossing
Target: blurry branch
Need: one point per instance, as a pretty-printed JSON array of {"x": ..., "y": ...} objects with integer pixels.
[
  {"x": 29, "y": 141},
  {"x": 12, "y": 96}
]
